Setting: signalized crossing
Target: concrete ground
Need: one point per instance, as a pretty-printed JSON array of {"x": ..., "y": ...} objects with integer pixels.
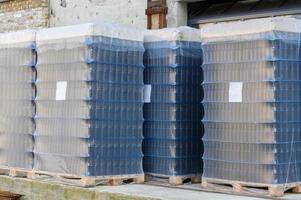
[
  {"x": 169, "y": 193},
  {"x": 178, "y": 194},
  {"x": 41, "y": 190}
]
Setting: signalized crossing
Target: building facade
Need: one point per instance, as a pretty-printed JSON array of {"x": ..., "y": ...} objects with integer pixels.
[{"x": 21, "y": 14}]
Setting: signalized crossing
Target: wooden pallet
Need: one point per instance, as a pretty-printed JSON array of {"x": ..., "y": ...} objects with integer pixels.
[
  {"x": 86, "y": 181},
  {"x": 173, "y": 180},
  {"x": 15, "y": 172},
  {"x": 246, "y": 188},
  {"x": 75, "y": 180}
]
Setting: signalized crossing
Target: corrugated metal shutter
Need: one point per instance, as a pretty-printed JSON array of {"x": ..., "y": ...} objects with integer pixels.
[{"x": 226, "y": 10}]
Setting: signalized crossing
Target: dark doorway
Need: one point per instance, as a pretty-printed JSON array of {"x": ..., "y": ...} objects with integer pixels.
[{"x": 226, "y": 10}]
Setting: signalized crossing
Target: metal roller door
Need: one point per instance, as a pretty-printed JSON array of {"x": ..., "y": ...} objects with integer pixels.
[{"x": 226, "y": 10}]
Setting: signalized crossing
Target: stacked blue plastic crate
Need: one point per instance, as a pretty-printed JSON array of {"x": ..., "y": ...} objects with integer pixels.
[
  {"x": 17, "y": 77},
  {"x": 173, "y": 129},
  {"x": 252, "y": 101},
  {"x": 89, "y": 100}
]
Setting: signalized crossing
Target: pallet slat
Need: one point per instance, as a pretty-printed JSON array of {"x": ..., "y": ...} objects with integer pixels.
[
  {"x": 14, "y": 172},
  {"x": 91, "y": 181},
  {"x": 245, "y": 188},
  {"x": 82, "y": 181},
  {"x": 173, "y": 180}
]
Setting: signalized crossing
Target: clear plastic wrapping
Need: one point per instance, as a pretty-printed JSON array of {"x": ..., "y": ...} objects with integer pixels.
[
  {"x": 17, "y": 77},
  {"x": 252, "y": 100},
  {"x": 173, "y": 130},
  {"x": 89, "y": 100}
]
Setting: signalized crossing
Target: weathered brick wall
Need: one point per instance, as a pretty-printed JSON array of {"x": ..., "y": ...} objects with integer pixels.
[{"x": 22, "y": 14}]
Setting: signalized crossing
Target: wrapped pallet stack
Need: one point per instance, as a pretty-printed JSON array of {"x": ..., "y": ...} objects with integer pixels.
[
  {"x": 252, "y": 98},
  {"x": 173, "y": 130},
  {"x": 17, "y": 77},
  {"x": 90, "y": 102}
]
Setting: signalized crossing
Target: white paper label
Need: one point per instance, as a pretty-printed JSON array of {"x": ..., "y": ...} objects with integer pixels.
[
  {"x": 235, "y": 91},
  {"x": 147, "y": 92},
  {"x": 61, "y": 89}
]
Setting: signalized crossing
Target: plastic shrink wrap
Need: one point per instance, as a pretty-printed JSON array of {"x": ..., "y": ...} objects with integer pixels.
[
  {"x": 17, "y": 77},
  {"x": 89, "y": 100},
  {"x": 173, "y": 130},
  {"x": 252, "y": 100}
]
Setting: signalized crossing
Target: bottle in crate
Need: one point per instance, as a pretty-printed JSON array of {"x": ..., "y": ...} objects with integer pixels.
[
  {"x": 17, "y": 109},
  {"x": 252, "y": 101},
  {"x": 173, "y": 129},
  {"x": 89, "y": 100}
]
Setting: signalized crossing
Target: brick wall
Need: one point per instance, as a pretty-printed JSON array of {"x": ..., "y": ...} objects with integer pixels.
[{"x": 22, "y": 14}]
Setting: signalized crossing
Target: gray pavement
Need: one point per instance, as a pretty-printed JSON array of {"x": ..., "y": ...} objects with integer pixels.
[
  {"x": 41, "y": 190},
  {"x": 178, "y": 194}
]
